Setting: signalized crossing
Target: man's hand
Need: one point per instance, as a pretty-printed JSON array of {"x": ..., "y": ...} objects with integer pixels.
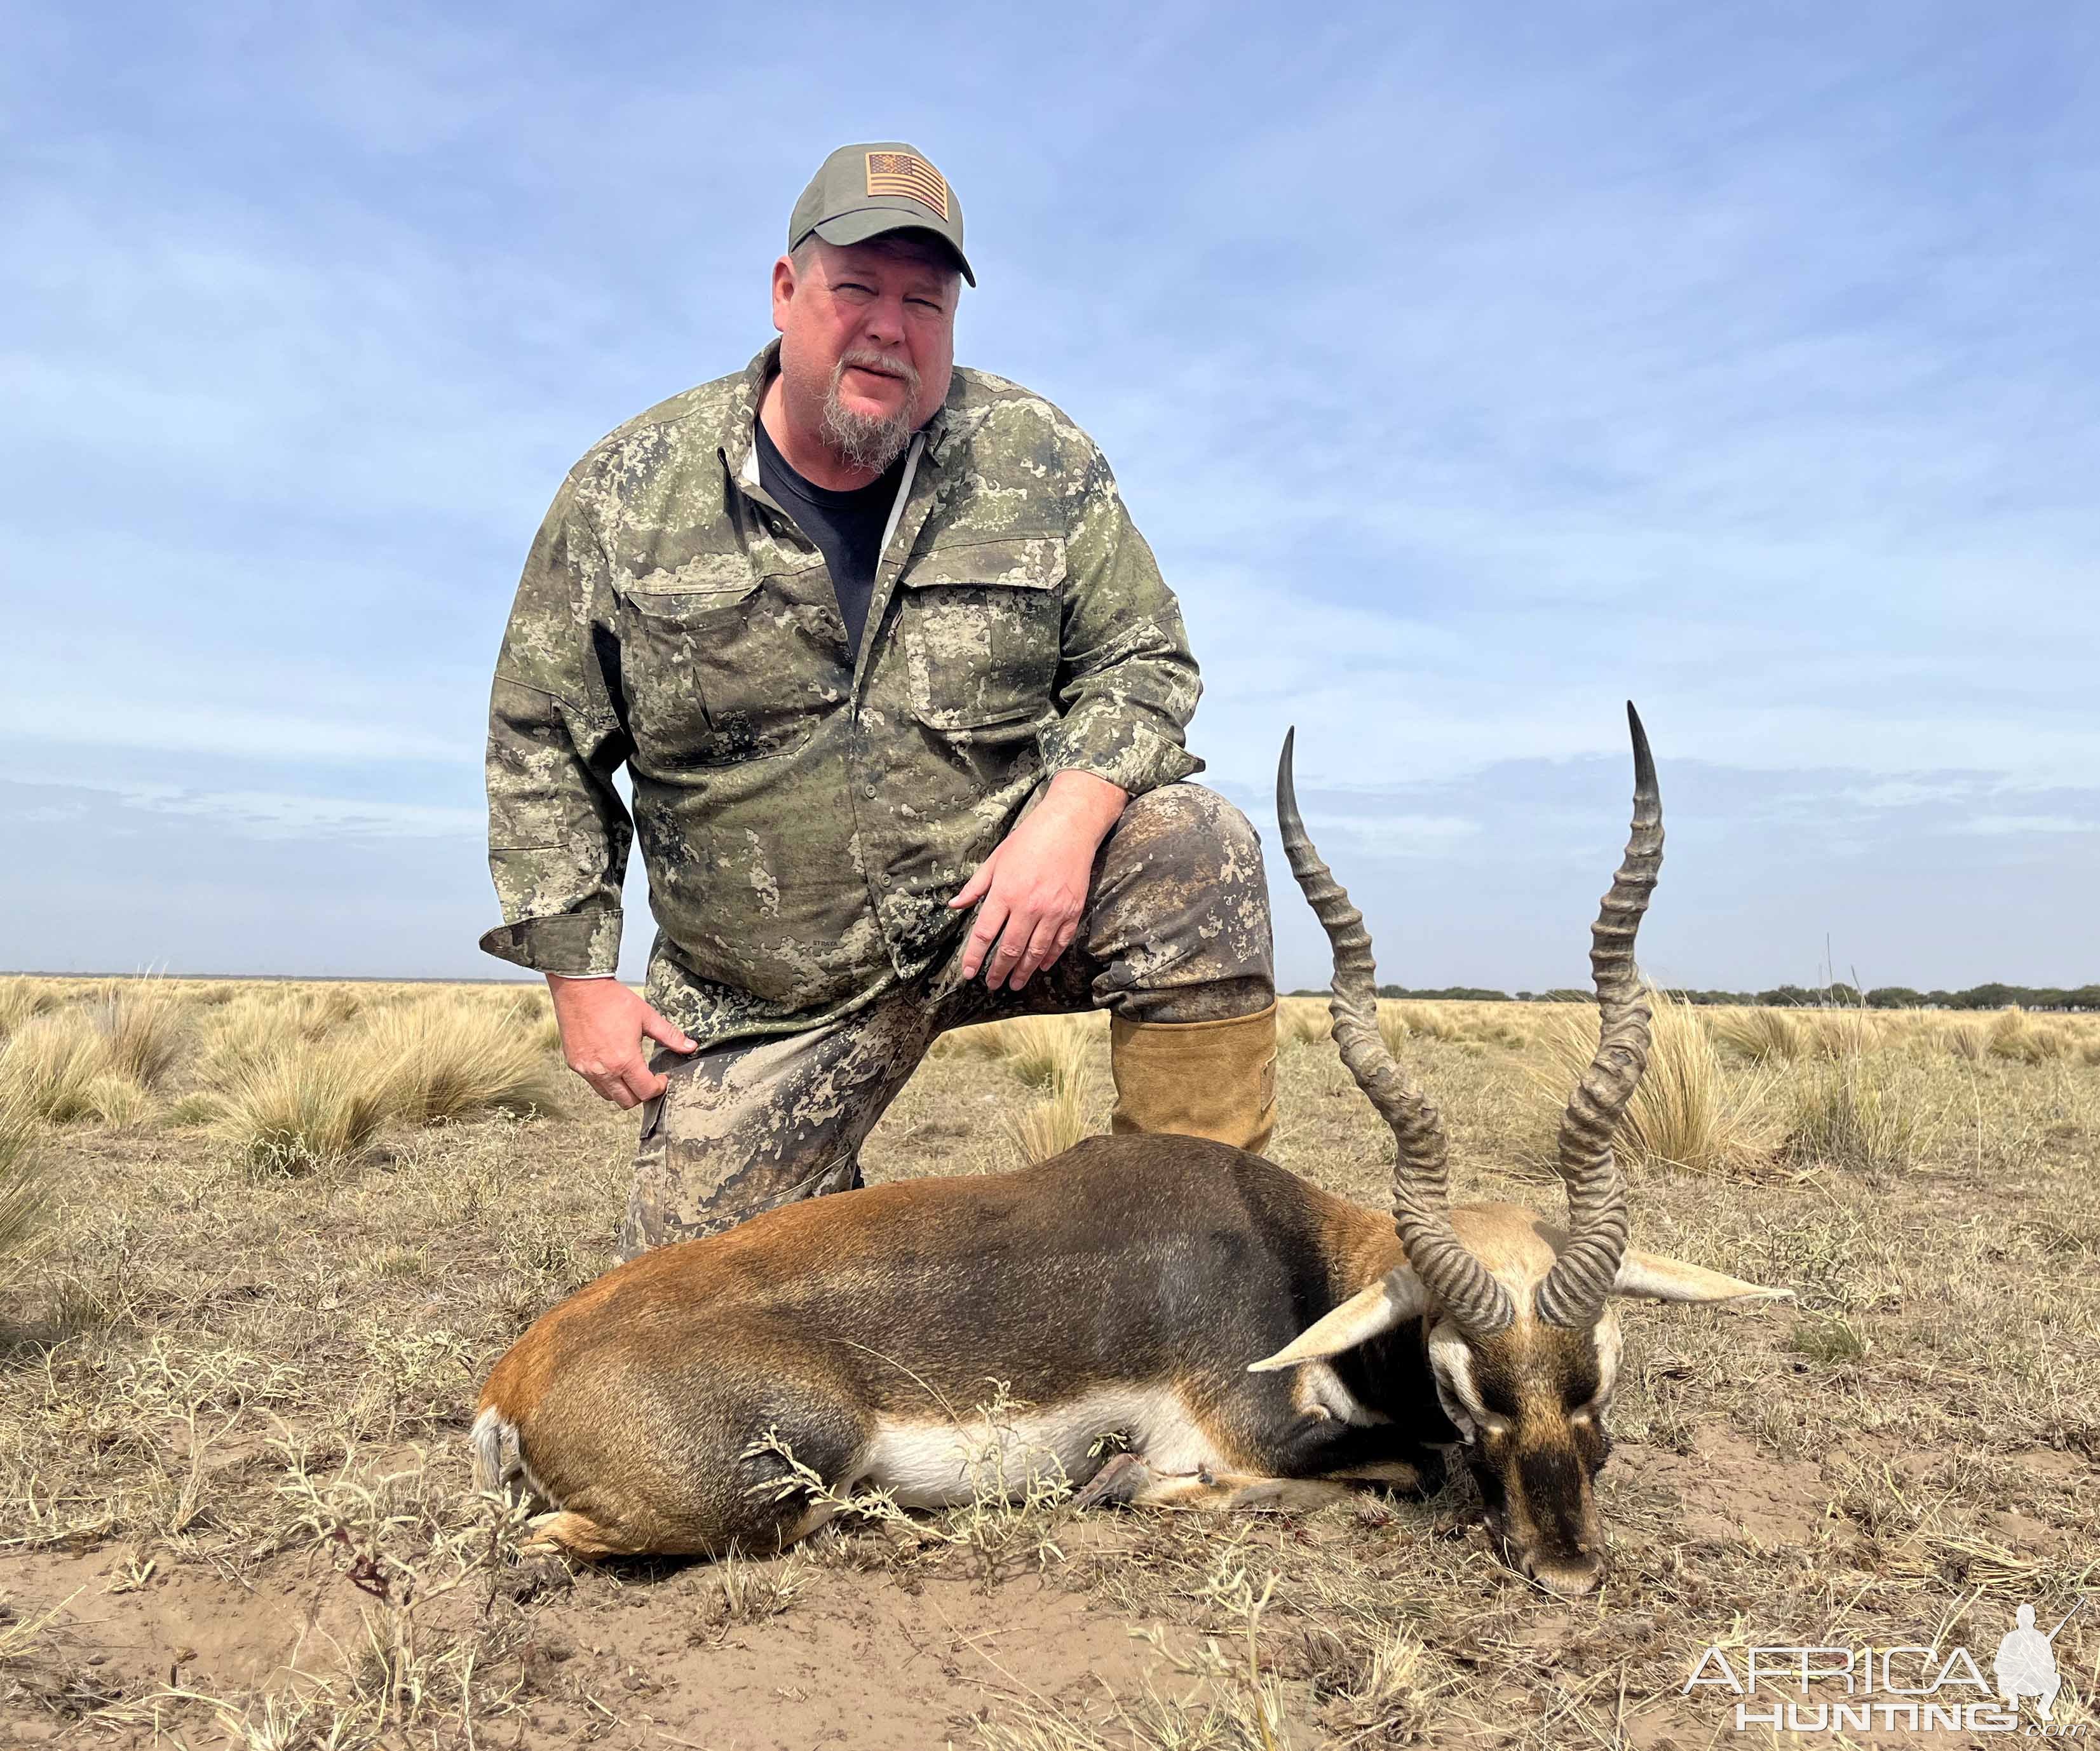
[
  {"x": 602, "y": 1025},
  {"x": 1034, "y": 884}
]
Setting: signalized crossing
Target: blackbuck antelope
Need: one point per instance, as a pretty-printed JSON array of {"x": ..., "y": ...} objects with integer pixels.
[{"x": 1172, "y": 1322}]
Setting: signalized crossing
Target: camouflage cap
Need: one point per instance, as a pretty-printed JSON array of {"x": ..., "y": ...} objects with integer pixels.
[{"x": 862, "y": 192}]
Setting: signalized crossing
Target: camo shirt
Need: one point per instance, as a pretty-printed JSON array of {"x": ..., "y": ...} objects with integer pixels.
[{"x": 804, "y": 815}]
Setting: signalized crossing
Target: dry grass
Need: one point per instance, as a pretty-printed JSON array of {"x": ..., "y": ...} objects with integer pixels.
[
  {"x": 26, "y": 1188},
  {"x": 441, "y": 1061},
  {"x": 1302, "y": 1021},
  {"x": 1763, "y": 1036},
  {"x": 146, "y": 1031},
  {"x": 291, "y": 1111},
  {"x": 51, "y": 1065},
  {"x": 2017, "y": 1039},
  {"x": 232, "y": 1431},
  {"x": 23, "y": 1000},
  {"x": 1689, "y": 1112},
  {"x": 1047, "y": 1051},
  {"x": 1852, "y": 1111},
  {"x": 1050, "y": 1127}
]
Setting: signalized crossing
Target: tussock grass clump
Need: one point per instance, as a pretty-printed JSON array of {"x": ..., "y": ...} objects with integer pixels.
[
  {"x": 1689, "y": 1112},
  {"x": 985, "y": 1040},
  {"x": 1826, "y": 1339},
  {"x": 146, "y": 1030},
  {"x": 199, "y": 1106},
  {"x": 1425, "y": 1019},
  {"x": 1763, "y": 1036},
  {"x": 1302, "y": 1021},
  {"x": 1968, "y": 1042},
  {"x": 116, "y": 1100},
  {"x": 432, "y": 1062},
  {"x": 315, "y": 1014},
  {"x": 293, "y": 1112},
  {"x": 23, "y": 1000},
  {"x": 240, "y": 1036},
  {"x": 1842, "y": 1033},
  {"x": 1851, "y": 1113},
  {"x": 1049, "y": 1051},
  {"x": 51, "y": 1065},
  {"x": 1048, "y": 1127},
  {"x": 26, "y": 1186},
  {"x": 2016, "y": 1040}
]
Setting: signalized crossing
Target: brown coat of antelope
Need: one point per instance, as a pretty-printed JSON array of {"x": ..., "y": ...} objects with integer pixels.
[{"x": 1243, "y": 1338}]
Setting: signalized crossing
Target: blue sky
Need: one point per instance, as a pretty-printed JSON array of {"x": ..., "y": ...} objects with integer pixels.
[{"x": 1471, "y": 368}]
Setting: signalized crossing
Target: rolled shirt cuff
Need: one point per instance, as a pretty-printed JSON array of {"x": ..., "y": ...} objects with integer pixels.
[
  {"x": 1130, "y": 754},
  {"x": 575, "y": 944}
]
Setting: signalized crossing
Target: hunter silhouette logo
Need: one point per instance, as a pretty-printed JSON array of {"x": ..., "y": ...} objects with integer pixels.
[
  {"x": 2026, "y": 1666},
  {"x": 1836, "y": 1690}
]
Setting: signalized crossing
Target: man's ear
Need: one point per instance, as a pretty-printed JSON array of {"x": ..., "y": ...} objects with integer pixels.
[{"x": 783, "y": 290}]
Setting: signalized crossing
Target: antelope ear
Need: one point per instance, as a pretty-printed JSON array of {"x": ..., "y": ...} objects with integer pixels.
[
  {"x": 1660, "y": 1279},
  {"x": 1395, "y": 1298}
]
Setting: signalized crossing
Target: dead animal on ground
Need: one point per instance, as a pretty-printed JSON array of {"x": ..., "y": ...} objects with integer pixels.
[{"x": 1245, "y": 1339}]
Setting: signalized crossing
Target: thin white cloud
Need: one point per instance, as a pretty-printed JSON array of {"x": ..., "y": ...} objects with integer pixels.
[
  {"x": 1396, "y": 836},
  {"x": 260, "y": 814},
  {"x": 69, "y": 721},
  {"x": 1999, "y": 826}
]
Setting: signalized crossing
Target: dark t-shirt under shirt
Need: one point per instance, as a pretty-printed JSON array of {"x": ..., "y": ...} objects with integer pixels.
[{"x": 847, "y": 526}]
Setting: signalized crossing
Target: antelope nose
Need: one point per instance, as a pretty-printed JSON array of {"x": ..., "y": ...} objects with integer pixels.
[{"x": 1566, "y": 1579}]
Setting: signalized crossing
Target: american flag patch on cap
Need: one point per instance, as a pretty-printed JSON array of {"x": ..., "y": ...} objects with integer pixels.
[{"x": 898, "y": 173}]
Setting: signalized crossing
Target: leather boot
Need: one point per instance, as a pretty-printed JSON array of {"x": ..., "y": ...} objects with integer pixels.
[{"x": 1214, "y": 1079}]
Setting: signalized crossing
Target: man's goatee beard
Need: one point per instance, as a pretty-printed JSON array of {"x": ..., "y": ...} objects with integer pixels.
[{"x": 863, "y": 441}]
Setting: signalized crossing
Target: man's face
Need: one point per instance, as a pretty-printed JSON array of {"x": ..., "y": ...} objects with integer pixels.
[{"x": 867, "y": 342}]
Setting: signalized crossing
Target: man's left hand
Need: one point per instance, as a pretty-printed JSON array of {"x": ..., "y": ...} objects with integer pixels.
[{"x": 1034, "y": 884}]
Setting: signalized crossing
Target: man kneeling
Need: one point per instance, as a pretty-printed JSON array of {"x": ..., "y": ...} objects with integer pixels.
[{"x": 902, "y": 697}]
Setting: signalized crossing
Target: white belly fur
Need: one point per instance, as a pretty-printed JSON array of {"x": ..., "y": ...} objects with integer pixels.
[{"x": 929, "y": 1465}]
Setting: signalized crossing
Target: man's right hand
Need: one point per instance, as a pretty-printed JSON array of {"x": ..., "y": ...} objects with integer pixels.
[{"x": 603, "y": 1024}]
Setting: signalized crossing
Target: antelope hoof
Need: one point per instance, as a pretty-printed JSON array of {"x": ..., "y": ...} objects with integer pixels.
[{"x": 1118, "y": 1482}]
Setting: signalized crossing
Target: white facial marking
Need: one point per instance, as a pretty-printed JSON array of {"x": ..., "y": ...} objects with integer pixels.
[
  {"x": 1609, "y": 1343},
  {"x": 1451, "y": 1364}
]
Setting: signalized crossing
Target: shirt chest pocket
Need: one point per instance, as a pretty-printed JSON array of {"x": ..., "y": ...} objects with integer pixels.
[
  {"x": 719, "y": 667},
  {"x": 982, "y": 627}
]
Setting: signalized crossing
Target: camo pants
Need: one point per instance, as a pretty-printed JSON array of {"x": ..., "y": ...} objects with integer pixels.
[{"x": 1176, "y": 929}]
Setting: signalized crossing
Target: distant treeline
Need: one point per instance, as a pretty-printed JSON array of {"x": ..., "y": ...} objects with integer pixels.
[{"x": 1839, "y": 996}]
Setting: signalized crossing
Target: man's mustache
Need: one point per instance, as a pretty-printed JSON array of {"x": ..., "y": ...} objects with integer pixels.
[{"x": 882, "y": 365}]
